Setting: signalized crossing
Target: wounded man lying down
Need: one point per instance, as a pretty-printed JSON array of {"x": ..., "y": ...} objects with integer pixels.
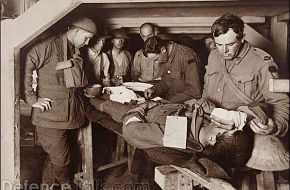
[{"x": 209, "y": 150}]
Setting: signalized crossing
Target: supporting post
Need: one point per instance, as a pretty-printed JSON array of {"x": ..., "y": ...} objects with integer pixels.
[{"x": 85, "y": 180}]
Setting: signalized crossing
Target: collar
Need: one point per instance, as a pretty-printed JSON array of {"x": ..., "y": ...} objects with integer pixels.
[
  {"x": 244, "y": 50},
  {"x": 71, "y": 47},
  {"x": 93, "y": 53}
]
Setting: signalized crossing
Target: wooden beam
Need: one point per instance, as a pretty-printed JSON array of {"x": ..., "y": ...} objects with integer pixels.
[
  {"x": 170, "y": 177},
  {"x": 283, "y": 17},
  {"x": 257, "y": 39},
  {"x": 167, "y": 177},
  {"x": 150, "y": 1},
  {"x": 210, "y": 183},
  {"x": 279, "y": 32},
  {"x": 176, "y": 21},
  {"x": 87, "y": 157},
  {"x": 10, "y": 153},
  {"x": 32, "y": 25},
  {"x": 111, "y": 165},
  {"x": 279, "y": 85}
]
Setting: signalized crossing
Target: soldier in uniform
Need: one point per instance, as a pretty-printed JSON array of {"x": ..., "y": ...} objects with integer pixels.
[
  {"x": 57, "y": 104},
  {"x": 180, "y": 80},
  {"x": 238, "y": 74}
]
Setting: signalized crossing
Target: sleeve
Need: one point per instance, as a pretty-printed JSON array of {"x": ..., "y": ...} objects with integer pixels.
[
  {"x": 278, "y": 101},
  {"x": 193, "y": 87},
  {"x": 106, "y": 67},
  {"x": 206, "y": 79},
  {"x": 136, "y": 67},
  {"x": 35, "y": 58}
]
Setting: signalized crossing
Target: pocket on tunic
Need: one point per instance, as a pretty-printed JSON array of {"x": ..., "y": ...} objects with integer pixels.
[
  {"x": 59, "y": 110},
  {"x": 212, "y": 78},
  {"x": 246, "y": 84}
]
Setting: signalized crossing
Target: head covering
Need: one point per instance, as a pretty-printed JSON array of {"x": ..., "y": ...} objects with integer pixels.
[
  {"x": 85, "y": 24},
  {"x": 119, "y": 33},
  {"x": 269, "y": 154}
]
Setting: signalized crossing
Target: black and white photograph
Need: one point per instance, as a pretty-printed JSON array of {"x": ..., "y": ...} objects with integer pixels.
[{"x": 144, "y": 94}]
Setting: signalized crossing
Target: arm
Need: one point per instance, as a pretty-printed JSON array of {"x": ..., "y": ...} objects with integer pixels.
[
  {"x": 140, "y": 133},
  {"x": 106, "y": 64},
  {"x": 128, "y": 75},
  {"x": 35, "y": 59},
  {"x": 278, "y": 119},
  {"x": 205, "y": 87},
  {"x": 191, "y": 64},
  {"x": 136, "y": 67}
]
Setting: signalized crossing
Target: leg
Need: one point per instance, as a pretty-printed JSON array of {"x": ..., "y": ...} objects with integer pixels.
[{"x": 54, "y": 142}]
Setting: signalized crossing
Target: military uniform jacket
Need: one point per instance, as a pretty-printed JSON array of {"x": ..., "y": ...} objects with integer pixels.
[
  {"x": 181, "y": 80},
  {"x": 148, "y": 130},
  {"x": 67, "y": 110},
  {"x": 250, "y": 71}
]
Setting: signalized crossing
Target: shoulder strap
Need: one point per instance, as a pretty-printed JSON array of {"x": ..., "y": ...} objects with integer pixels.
[{"x": 241, "y": 95}]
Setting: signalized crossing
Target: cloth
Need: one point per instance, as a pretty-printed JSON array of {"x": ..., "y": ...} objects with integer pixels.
[
  {"x": 148, "y": 137},
  {"x": 55, "y": 143},
  {"x": 75, "y": 76},
  {"x": 96, "y": 67},
  {"x": 122, "y": 69},
  {"x": 181, "y": 79},
  {"x": 67, "y": 110},
  {"x": 149, "y": 133},
  {"x": 250, "y": 71},
  {"x": 121, "y": 94},
  {"x": 146, "y": 69},
  {"x": 109, "y": 107},
  {"x": 202, "y": 166}
]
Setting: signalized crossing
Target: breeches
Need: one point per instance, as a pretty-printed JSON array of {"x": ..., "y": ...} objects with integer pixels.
[{"x": 56, "y": 144}]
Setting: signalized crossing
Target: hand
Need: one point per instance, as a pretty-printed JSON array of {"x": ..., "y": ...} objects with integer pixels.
[
  {"x": 260, "y": 128},
  {"x": 43, "y": 103},
  {"x": 87, "y": 95},
  {"x": 63, "y": 65},
  {"x": 222, "y": 119},
  {"x": 106, "y": 83},
  {"x": 148, "y": 93}
]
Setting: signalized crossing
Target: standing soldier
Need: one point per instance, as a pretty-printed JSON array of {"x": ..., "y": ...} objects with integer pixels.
[{"x": 57, "y": 105}]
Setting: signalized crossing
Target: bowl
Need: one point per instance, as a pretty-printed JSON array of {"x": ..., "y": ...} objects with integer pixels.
[{"x": 93, "y": 90}]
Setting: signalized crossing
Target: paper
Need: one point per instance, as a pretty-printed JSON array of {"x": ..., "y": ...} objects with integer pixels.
[{"x": 175, "y": 133}]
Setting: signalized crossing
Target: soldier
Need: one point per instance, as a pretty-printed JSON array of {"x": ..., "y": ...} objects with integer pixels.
[
  {"x": 238, "y": 74},
  {"x": 57, "y": 105},
  {"x": 181, "y": 76}
]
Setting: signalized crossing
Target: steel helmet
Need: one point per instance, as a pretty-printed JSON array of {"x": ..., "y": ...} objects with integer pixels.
[{"x": 268, "y": 154}]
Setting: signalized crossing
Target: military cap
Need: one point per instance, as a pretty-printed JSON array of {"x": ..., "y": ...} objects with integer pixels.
[{"x": 85, "y": 24}]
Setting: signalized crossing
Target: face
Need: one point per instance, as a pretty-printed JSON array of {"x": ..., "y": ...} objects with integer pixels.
[
  {"x": 146, "y": 32},
  {"x": 162, "y": 57},
  {"x": 98, "y": 46},
  {"x": 228, "y": 45},
  {"x": 209, "y": 134},
  {"x": 118, "y": 43},
  {"x": 81, "y": 38},
  {"x": 209, "y": 44}
]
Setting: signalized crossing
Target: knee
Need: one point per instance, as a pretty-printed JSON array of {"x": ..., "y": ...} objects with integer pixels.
[{"x": 127, "y": 131}]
